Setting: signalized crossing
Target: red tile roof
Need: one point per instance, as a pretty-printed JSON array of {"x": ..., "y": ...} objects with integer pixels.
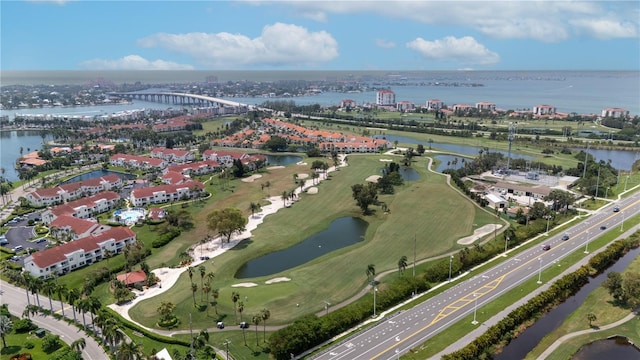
[{"x": 54, "y": 255}]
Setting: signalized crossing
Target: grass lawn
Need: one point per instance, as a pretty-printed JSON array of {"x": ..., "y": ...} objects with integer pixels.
[
  {"x": 600, "y": 303},
  {"x": 389, "y": 236},
  {"x": 16, "y": 344}
]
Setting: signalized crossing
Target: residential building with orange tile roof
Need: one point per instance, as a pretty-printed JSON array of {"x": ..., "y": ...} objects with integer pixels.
[
  {"x": 165, "y": 193},
  {"x": 83, "y": 208},
  {"x": 72, "y": 255}
]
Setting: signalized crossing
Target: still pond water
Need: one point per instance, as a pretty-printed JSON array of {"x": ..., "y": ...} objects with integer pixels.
[
  {"x": 341, "y": 233},
  {"x": 519, "y": 347},
  {"x": 614, "y": 348},
  {"x": 99, "y": 173}
]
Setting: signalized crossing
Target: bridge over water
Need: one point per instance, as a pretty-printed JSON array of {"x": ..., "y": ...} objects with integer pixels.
[{"x": 185, "y": 99}]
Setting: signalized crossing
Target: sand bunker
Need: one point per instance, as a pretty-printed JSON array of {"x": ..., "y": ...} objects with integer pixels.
[
  {"x": 386, "y": 160},
  {"x": 252, "y": 178},
  {"x": 373, "y": 178},
  {"x": 478, "y": 233},
  {"x": 275, "y": 167},
  {"x": 301, "y": 163},
  {"x": 245, "y": 285},
  {"x": 312, "y": 190},
  {"x": 303, "y": 176},
  {"x": 277, "y": 280}
]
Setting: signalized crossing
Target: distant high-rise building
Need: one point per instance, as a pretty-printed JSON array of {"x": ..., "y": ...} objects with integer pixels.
[{"x": 386, "y": 98}]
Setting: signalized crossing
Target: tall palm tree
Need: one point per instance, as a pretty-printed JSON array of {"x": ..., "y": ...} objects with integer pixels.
[
  {"x": 62, "y": 291},
  {"x": 266, "y": 314},
  {"x": 284, "y": 197},
  {"x": 112, "y": 334},
  {"x": 254, "y": 207},
  {"x": 129, "y": 351},
  {"x": 93, "y": 304},
  {"x": 402, "y": 263},
  {"x": 194, "y": 289},
  {"x": 72, "y": 297},
  {"x": 49, "y": 287},
  {"x": 190, "y": 272},
  {"x": 215, "y": 293},
  {"x": 371, "y": 272},
  {"x": 203, "y": 272},
  {"x": 25, "y": 280},
  {"x": 206, "y": 289},
  {"x": 83, "y": 305},
  {"x": 240, "y": 309},
  {"x": 256, "y": 321},
  {"x": 79, "y": 345},
  {"x": 5, "y": 328},
  {"x": 234, "y": 297}
]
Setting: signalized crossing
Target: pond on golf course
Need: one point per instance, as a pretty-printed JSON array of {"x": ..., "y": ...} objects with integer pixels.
[
  {"x": 617, "y": 347},
  {"x": 341, "y": 233},
  {"x": 283, "y": 160}
]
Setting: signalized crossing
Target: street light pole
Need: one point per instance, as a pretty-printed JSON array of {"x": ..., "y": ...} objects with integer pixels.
[
  {"x": 450, "y": 265},
  {"x": 375, "y": 290},
  {"x": 606, "y": 193},
  {"x": 622, "y": 224},
  {"x": 475, "y": 309},
  {"x": 586, "y": 244},
  {"x": 625, "y": 183},
  {"x": 506, "y": 244},
  {"x": 548, "y": 217},
  {"x": 540, "y": 271}
]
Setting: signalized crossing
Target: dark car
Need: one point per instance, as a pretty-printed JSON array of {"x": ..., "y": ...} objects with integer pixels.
[
  {"x": 603, "y": 227},
  {"x": 41, "y": 240},
  {"x": 565, "y": 237},
  {"x": 204, "y": 258},
  {"x": 244, "y": 325},
  {"x": 616, "y": 209},
  {"x": 546, "y": 247}
]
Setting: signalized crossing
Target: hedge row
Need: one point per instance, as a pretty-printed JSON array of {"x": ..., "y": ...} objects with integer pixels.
[
  {"x": 165, "y": 238},
  {"x": 561, "y": 290}
]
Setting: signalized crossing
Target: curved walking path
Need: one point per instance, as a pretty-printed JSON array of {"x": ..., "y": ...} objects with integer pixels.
[{"x": 568, "y": 336}]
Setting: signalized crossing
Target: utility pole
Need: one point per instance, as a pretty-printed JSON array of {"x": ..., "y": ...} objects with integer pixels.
[
  {"x": 227, "y": 342},
  {"x": 586, "y": 157},
  {"x": 191, "y": 332},
  {"x": 414, "y": 255}
]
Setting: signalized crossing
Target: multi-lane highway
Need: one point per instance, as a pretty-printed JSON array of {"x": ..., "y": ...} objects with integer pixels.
[{"x": 396, "y": 335}]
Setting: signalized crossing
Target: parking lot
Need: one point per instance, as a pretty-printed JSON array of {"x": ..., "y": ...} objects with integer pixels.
[{"x": 20, "y": 234}]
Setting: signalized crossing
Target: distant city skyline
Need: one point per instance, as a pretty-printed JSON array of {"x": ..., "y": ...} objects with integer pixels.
[{"x": 320, "y": 35}]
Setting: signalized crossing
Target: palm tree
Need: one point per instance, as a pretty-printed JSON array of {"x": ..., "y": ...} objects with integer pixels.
[
  {"x": 5, "y": 328},
  {"x": 206, "y": 289},
  {"x": 402, "y": 263},
  {"x": 112, "y": 333},
  {"x": 234, "y": 297},
  {"x": 194, "y": 289},
  {"x": 202, "y": 339},
  {"x": 79, "y": 345},
  {"x": 83, "y": 306},
  {"x": 256, "y": 319},
  {"x": 35, "y": 285},
  {"x": 254, "y": 207},
  {"x": 49, "y": 287},
  {"x": 72, "y": 297},
  {"x": 129, "y": 351},
  {"x": 240, "y": 309},
  {"x": 190, "y": 272},
  {"x": 266, "y": 314},
  {"x": 63, "y": 291},
  {"x": 215, "y": 293},
  {"x": 284, "y": 197},
  {"x": 203, "y": 272},
  {"x": 591, "y": 317},
  {"x": 25, "y": 280},
  {"x": 93, "y": 304},
  {"x": 371, "y": 272}
]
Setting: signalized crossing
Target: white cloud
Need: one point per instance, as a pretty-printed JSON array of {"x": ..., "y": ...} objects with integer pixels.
[
  {"x": 606, "y": 29},
  {"x": 546, "y": 21},
  {"x": 385, "y": 43},
  {"x": 278, "y": 44},
  {"x": 133, "y": 62},
  {"x": 465, "y": 50}
]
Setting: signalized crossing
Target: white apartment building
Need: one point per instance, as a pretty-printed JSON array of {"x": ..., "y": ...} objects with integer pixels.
[
  {"x": 385, "y": 98},
  {"x": 72, "y": 255},
  {"x": 615, "y": 112}
]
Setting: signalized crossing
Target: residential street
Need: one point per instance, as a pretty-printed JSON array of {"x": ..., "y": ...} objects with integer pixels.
[{"x": 17, "y": 300}]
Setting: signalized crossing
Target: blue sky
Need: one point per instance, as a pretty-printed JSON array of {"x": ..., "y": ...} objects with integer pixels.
[{"x": 320, "y": 35}]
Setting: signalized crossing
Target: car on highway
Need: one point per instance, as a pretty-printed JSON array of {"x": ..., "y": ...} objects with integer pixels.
[
  {"x": 565, "y": 237},
  {"x": 616, "y": 209},
  {"x": 603, "y": 227},
  {"x": 546, "y": 247}
]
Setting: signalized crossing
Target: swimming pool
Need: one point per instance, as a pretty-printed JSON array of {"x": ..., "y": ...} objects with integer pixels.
[{"x": 129, "y": 216}]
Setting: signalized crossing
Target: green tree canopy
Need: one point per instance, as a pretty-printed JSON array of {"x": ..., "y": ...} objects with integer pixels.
[{"x": 226, "y": 222}]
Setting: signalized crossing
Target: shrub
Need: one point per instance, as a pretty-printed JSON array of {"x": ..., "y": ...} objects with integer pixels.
[
  {"x": 50, "y": 343},
  {"x": 28, "y": 345},
  {"x": 23, "y": 325}
]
